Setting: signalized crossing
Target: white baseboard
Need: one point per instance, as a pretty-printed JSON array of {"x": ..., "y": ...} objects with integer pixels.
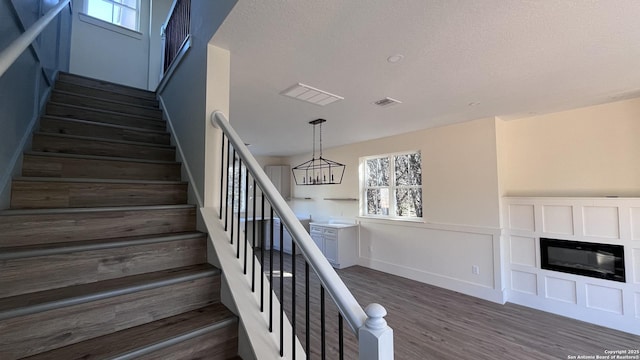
[{"x": 445, "y": 282}]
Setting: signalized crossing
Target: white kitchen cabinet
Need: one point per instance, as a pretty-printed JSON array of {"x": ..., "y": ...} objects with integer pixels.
[
  {"x": 318, "y": 238},
  {"x": 286, "y": 240},
  {"x": 338, "y": 243},
  {"x": 280, "y": 176}
]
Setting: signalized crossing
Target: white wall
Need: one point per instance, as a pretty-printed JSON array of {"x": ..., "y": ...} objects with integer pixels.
[
  {"x": 271, "y": 160},
  {"x": 591, "y": 151},
  {"x": 117, "y": 56},
  {"x": 217, "y": 90},
  {"x": 461, "y": 208},
  {"x": 554, "y": 168},
  {"x": 459, "y": 173}
]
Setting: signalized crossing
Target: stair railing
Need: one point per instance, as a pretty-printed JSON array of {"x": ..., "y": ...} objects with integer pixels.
[
  {"x": 175, "y": 32},
  {"x": 241, "y": 179},
  {"x": 10, "y": 54}
]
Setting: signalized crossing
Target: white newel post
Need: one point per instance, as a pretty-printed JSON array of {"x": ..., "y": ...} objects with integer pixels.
[{"x": 375, "y": 337}]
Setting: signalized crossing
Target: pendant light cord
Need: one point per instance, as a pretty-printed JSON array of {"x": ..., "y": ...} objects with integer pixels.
[
  {"x": 314, "y": 142},
  {"x": 320, "y": 140}
]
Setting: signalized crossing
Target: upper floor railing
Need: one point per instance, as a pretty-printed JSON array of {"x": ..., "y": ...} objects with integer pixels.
[
  {"x": 175, "y": 32},
  {"x": 309, "y": 277}
]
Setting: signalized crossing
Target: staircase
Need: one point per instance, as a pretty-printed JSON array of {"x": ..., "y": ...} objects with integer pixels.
[{"x": 99, "y": 253}]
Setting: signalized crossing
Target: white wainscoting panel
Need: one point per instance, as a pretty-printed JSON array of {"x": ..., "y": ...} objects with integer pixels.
[
  {"x": 521, "y": 217},
  {"x": 635, "y": 223},
  {"x": 560, "y": 289},
  {"x": 524, "y": 282},
  {"x": 523, "y": 250},
  {"x": 601, "y": 221},
  {"x": 438, "y": 254},
  {"x": 604, "y": 298},
  {"x": 557, "y": 219},
  {"x": 604, "y": 220},
  {"x": 635, "y": 255}
]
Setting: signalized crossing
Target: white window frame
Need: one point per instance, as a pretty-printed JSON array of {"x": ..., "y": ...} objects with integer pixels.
[
  {"x": 392, "y": 187},
  {"x": 116, "y": 4}
]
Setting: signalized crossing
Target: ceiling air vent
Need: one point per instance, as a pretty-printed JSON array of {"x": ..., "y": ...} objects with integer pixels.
[
  {"x": 310, "y": 94},
  {"x": 386, "y": 102}
]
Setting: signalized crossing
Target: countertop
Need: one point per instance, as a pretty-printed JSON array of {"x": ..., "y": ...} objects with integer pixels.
[{"x": 332, "y": 225}]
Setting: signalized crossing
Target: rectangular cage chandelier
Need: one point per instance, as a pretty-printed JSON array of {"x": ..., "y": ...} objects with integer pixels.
[{"x": 318, "y": 171}]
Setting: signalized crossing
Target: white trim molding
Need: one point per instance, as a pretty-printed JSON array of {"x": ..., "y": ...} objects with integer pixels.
[
  {"x": 466, "y": 259},
  {"x": 110, "y": 26},
  {"x": 614, "y": 221}
]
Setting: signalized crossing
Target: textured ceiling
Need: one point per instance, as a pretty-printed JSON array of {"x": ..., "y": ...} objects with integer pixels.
[{"x": 510, "y": 58}]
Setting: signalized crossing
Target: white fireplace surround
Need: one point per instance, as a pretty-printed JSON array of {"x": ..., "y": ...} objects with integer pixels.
[{"x": 599, "y": 220}]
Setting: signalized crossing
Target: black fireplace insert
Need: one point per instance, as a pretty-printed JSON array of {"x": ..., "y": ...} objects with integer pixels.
[{"x": 604, "y": 261}]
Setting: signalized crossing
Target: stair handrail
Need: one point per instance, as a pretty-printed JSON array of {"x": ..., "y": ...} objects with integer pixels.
[
  {"x": 11, "y": 53},
  {"x": 349, "y": 307},
  {"x": 374, "y": 335}
]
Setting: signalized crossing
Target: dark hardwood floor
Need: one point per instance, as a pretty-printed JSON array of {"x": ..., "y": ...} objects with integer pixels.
[{"x": 434, "y": 323}]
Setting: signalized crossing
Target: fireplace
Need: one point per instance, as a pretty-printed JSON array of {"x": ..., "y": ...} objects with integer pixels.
[{"x": 602, "y": 261}]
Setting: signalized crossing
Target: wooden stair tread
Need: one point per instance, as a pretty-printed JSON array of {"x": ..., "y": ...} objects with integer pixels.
[
  {"x": 57, "y": 143},
  {"x": 76, "y": 137},
  {"x": 37, "y": 226},
  {"x": 22, "y": 212},
  {"x": 105, "y": 104},
  {"x": 102, "y": 124},
  {"x": 18, "y": 252},
  {"x": 30, "y": 269},
  {"x": 102, "y": 84},
  {"x": 66, "y": 165},
  {"x": 111, "y": 101},
  {"x": 47, "y": 330},
  {"x": 148, "y": 337},
  {"x": 103, "y": 111},
  {"x": 98, "y": 157},
  {"x": 82, "y": 194},
  {"x": 105, "y": 93},
  {"x": 97, "y": 180},
  {"x": 87, "y": 113},
  {"x": 78, "y": 127},
  {"x": 32, "y": 303}
]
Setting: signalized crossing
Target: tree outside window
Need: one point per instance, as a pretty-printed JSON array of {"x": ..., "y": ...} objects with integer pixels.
[{"x": 392, "y": 185}]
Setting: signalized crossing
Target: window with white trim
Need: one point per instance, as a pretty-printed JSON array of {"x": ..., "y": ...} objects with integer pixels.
[
  {"x": 391, "y": 185},
  {"x": 125, "y": 13}
]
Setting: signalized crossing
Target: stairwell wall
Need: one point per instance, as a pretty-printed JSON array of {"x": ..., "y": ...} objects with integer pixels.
[
  {"x": 184, "y": 97},
  {"x": 107, "y": 52},
  {"x": 25, "y": 86}
]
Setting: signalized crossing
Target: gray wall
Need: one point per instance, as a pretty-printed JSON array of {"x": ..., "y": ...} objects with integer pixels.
[
  {"x": 107, "y": 52},
  {"x": 25, "y": 86},
  {"x": 184, "y": 96}
]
